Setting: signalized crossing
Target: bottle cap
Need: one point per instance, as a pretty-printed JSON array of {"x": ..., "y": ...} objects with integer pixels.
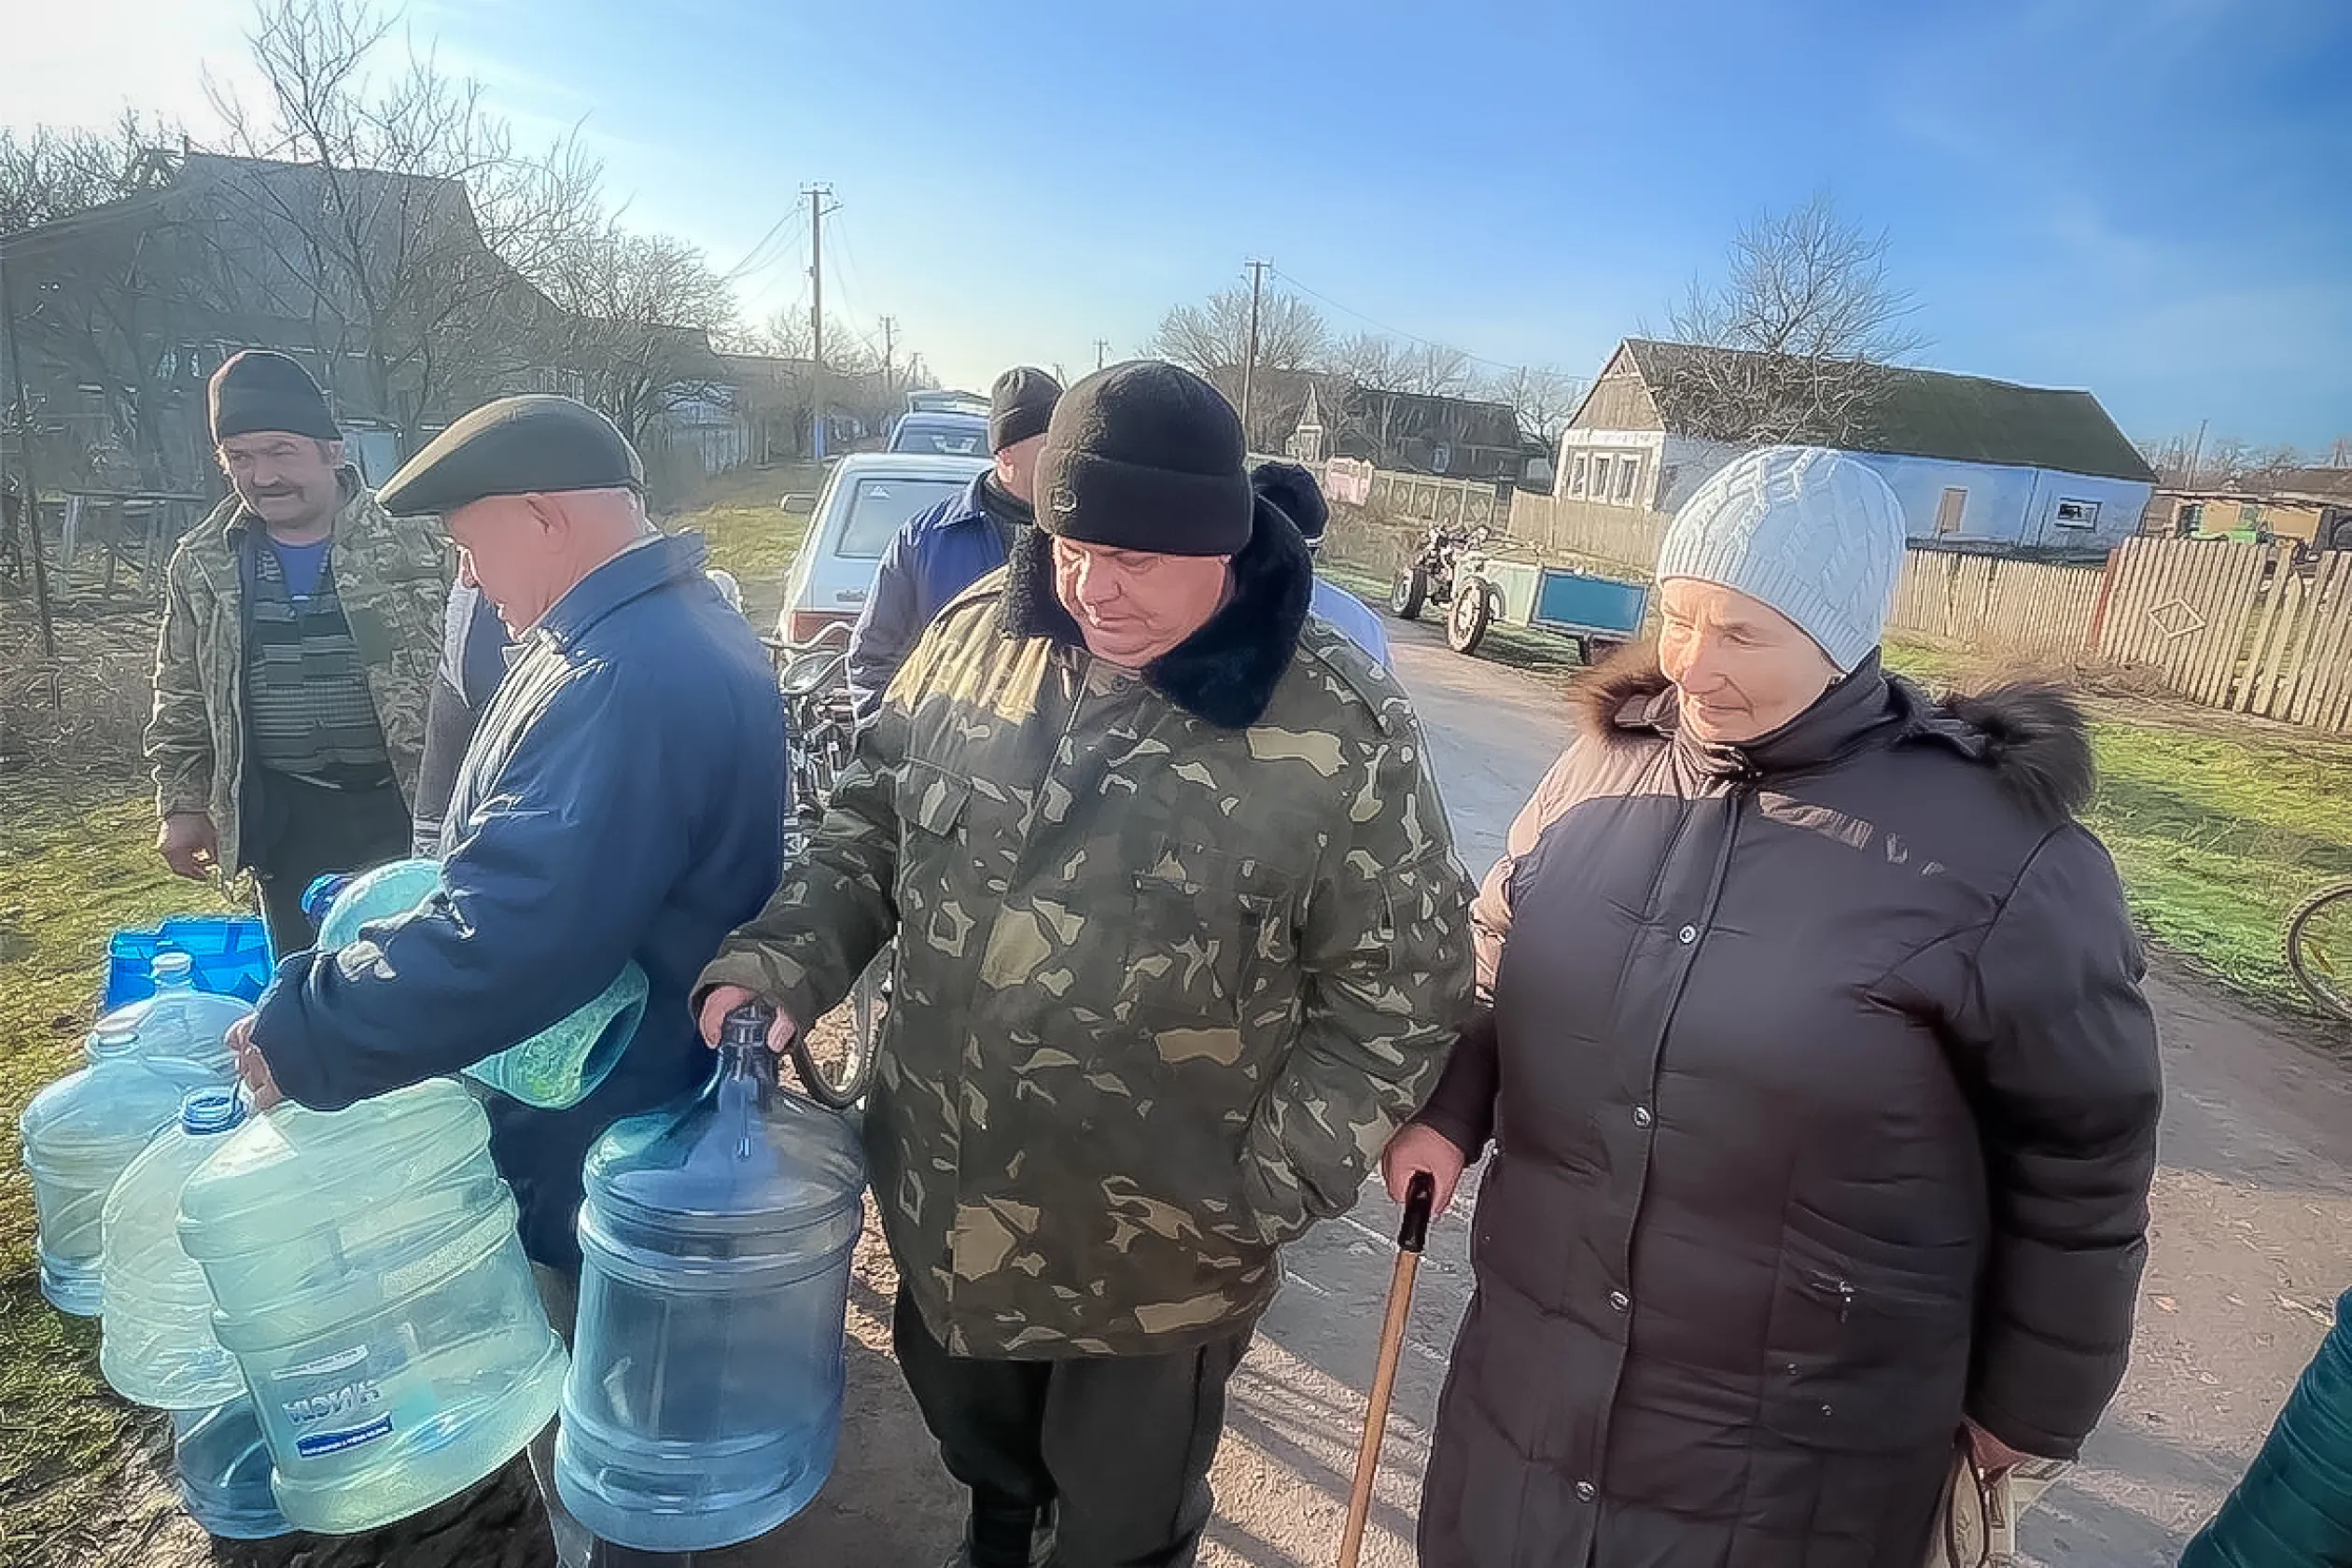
[{"x": 204, "y": 1112}]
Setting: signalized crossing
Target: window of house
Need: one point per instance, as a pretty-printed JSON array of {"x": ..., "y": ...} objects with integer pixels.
[
  {"x": 2078, "y": 514},
  {"x": 1951, "y": 510},
  {"x": 2189, "y": 519},
  {"x": 2249, "y": 515},
  {"x": 1576, "y": 476},
  {"x": 1600, "y": 478},
  {"x": 1629, "y": 468}
]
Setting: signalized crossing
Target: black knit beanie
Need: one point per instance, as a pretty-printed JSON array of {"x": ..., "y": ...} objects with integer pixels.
[
  {"x": 1146, "y": 457},
  {"x": 258, "y": 390},
  {"x": 1292, "y": 489},
  {"x": 1020, "y": 405}
]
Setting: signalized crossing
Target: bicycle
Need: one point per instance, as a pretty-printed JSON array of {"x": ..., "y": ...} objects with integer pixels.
[
  {"x": 2319, "y": 947},
  {"x": 814, "y": 679}
]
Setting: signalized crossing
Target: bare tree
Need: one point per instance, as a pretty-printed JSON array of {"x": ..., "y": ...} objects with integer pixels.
[
  {"x": 1804, "y": 319},
  {"x": 643, "y": 310},
  {"x": 48, "y": 173},
  {"x": 1543, "y": 396},
  {"x": 394, "y": 219},
  {"x": 1214, "y": 339}
]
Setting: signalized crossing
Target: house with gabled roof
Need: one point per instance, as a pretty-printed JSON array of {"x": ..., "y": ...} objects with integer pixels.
[{"x": 1975, "y": 462}]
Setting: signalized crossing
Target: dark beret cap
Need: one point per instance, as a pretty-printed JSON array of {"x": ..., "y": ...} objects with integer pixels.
[{"x": 517, "y": 446}]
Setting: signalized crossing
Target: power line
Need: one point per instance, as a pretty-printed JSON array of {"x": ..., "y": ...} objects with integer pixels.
[
  {"x": 758, "y": 260},
  {"x": 1396, "y": 333}
]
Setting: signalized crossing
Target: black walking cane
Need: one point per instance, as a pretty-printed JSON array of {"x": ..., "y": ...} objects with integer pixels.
[{"x": 1420, "y": 1195}]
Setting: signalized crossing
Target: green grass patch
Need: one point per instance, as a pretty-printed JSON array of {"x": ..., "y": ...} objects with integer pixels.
[
  {"x": 76, "y": 872},
  {"x": 742, "y": 514}
]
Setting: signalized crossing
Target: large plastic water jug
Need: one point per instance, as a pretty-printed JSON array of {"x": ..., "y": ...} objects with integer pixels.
[
  {"x": 183, "y": 1031},
  {"x": 368, "y": 1279},
  {"x": 2293, "y": 1508},
  {"x": 80, "y": 1134},
  {"x": 555, "y": 1068},
  {"x": 704, "y": 1404},
  {"x": 159, "y": 1347},
  {"x": 224, "y": 1472}
]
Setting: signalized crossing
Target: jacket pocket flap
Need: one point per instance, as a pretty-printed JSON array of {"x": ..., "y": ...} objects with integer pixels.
[{"x": 932, "y": 799}]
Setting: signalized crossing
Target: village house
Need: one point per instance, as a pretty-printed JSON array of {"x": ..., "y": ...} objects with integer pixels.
[
  {"x": 1412, "y": 432},
  {"x": 1976, "y": 463},
  {"x": 2310, "y": 505}
]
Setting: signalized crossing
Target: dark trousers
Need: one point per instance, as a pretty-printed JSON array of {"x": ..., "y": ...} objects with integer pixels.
[
  {"x": 1118, "y": 1445},
  {"x": 296, "y": 831}
]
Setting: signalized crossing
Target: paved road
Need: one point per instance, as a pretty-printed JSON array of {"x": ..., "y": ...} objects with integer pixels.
[{"x": 2252, "y": 1208}]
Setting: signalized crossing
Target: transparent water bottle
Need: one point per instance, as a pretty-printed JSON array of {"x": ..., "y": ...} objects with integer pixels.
[
  {"x": 704, "y": 1405},
  {"x": 79, "y": 1135},
  {"x": 554, "y": 1069},
  {"x": 369, "y": 1281},
  {"x": 159, "y": 1348},
  {"x": 183, "y": 1031},
  {"x": 224, "y": 1472}
]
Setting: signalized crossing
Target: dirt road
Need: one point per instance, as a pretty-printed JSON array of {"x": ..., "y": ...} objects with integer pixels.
[{"x": 2252, "y": 1208}]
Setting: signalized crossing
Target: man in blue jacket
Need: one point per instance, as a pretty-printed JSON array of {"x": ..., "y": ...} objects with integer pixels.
[
  {"x": 618, "y": 802},
  {"x": 946, "y": 549}
]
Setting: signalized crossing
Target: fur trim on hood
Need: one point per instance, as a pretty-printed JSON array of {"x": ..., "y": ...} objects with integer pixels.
[
  {"x": 2029, "y": 733},
  {"x": 1226, "y": 673}
]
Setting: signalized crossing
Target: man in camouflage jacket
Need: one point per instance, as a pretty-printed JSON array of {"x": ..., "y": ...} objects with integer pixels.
[
  {"x": 301, "y": 626},
  {"x": 1181, "y": 938}
]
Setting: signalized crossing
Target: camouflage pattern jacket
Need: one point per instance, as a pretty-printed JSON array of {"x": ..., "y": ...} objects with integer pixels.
[
  {"x": 1175, "y": 956},
  {"x": 392, "y": 575}
]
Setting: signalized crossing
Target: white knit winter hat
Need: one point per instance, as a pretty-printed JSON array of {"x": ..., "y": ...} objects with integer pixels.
[{"x": 1813, "y": 533}]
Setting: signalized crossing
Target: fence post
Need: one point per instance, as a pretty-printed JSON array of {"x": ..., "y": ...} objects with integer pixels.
[{"x": 2096, "y": 639}]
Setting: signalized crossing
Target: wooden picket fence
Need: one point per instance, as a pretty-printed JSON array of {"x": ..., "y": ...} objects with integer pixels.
[
  {"x": 2235, "y": 626},
  {"x": 1993, "y": 604}
]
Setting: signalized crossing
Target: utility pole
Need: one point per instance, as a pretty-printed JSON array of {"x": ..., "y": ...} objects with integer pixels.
[
  {"x": 816, "y": 195},
  {"x": 2196, "y": 453},
  {"x": 31, "y": 512},
  {"x": 890, "y": 349},
  {"x": 1249, "y": 359},
  {"x": 1103, "y": 351}
]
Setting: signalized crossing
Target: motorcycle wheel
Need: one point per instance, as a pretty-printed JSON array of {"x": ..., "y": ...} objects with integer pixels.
[
  {"x": 1411, "y": 589},
  {"x": 1473, "y": 613}
]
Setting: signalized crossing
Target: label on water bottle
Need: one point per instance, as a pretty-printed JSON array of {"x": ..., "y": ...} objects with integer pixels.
[{"x": 337, "y": 1402}]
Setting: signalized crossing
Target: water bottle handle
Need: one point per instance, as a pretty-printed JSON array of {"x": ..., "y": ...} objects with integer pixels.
[{"x": 747, "y": 1029}]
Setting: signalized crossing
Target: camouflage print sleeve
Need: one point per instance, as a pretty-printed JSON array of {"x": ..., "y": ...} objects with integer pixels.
[
  {"x": 1387, "y": 954},
  {"x": 179, "y": 734},
  {"x": 835, "y": 907}
]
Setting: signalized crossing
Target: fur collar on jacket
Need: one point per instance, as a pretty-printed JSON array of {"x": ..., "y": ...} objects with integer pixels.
[
  {"x": 1226, "y": 673},
  {"x": 2029, "y": 733}
]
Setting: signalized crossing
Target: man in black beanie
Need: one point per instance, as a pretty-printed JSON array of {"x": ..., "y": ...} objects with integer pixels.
[
  {"x": 1180, "y": 942},
  {"x": 300, "y": 626},
  {"x": 945, "y": 549}
]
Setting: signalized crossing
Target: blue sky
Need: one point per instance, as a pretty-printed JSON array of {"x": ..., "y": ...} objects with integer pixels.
[{"x": 2148, "y": 198}]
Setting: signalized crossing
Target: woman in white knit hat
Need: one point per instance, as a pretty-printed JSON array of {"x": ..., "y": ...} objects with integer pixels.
[{"x": 1823, "y": 1094}]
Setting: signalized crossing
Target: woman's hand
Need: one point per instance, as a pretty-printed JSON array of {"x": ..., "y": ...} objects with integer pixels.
[
  {"x": 1417, "y": 1148},
  {"x": 1993, "y": 1456}
]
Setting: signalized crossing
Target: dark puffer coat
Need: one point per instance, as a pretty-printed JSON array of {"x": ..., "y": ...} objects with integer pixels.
[{"x": 1824, "y": 1100}]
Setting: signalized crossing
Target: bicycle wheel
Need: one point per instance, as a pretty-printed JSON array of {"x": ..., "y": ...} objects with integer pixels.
[
  {"x": 2319, "y": 948},
  {"x": 868, "y": 1000}
]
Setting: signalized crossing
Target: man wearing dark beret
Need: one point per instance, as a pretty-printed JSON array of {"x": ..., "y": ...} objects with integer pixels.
[
  {"x": 618, "y": 802},
  {"x": 301, "y": 624},
  {"x": 945, "y": 549}
]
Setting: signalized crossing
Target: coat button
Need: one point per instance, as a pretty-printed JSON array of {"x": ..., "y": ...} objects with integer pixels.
[
  {"x": 1619, "y": 1301},
  {"x": 1641, "y": 1116},
  {"x": 1688, "y": 935},
  {"x": 1829, "y": 1410},
  {"x": 1587, "y": 1491}
]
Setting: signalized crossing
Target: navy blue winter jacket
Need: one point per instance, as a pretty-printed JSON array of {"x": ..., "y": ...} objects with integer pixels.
[
  {"x": 619, "y": 802},
  {"x": 938, "y": 554}
]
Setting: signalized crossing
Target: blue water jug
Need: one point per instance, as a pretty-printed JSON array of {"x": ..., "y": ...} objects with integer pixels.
[
  {"x": 2293, "y": 1508},
  {"x": 231, "y": 952},
  {"x": 79, "y": 1135},
  {"x": 224, "y": 1472},
  {"x": 159, "y": 1347},
  {"x": 552, "y": 1070},
  {"x": 704, "y": 1405},
  {"x": 183, "y": 1031},
  {"x": 368, "y": 1278}
]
